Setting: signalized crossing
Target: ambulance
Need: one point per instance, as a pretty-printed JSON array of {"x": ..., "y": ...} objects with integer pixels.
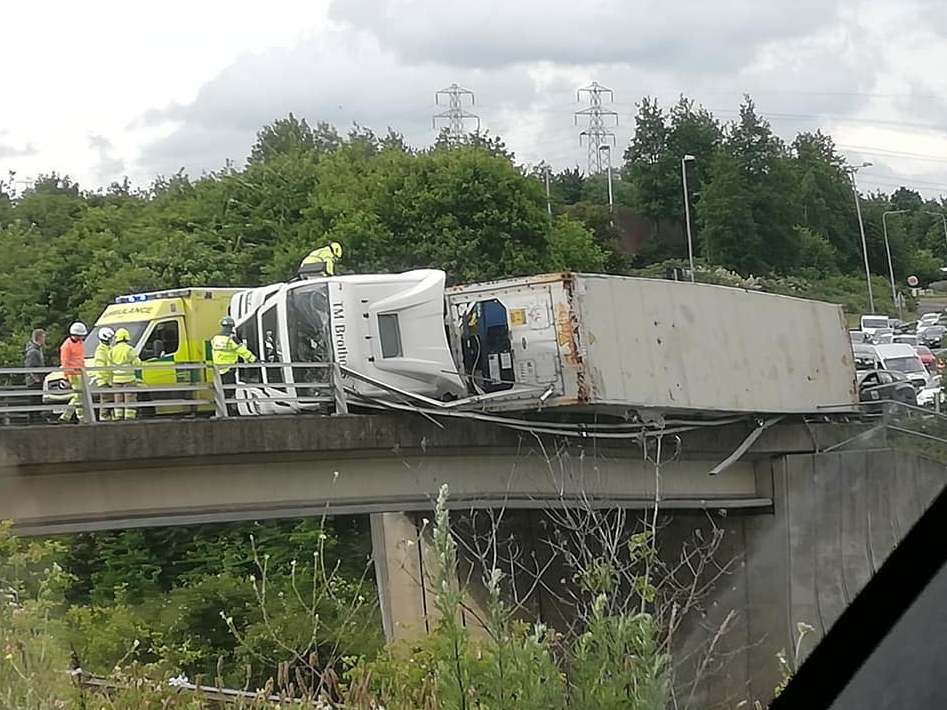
[{"x": 167, "y": 328}]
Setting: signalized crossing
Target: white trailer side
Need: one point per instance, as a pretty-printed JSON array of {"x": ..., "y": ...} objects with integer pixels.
[{"x": 618, "y": 344}]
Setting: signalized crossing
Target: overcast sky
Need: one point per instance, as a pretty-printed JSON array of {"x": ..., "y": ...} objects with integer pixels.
[{"x": 106, "y": 89}]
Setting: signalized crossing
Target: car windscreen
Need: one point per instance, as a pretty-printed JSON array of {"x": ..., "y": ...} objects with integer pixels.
[
  {"x": 135, "y": 331},
  {"x": 874, "y": 322},
  {"x": 904, "y": 364}
]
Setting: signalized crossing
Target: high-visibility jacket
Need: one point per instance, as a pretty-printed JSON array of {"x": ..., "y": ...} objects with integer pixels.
[
  {"x": 72, "y": 356},
  {"x": 103, "y": 351},
  {"x": 227, "y": 351},
  {"x": 124, "y": 360},
  {"x": 322, "y": 255}
]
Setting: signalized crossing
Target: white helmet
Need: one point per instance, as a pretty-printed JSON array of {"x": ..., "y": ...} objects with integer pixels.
[
  {"x": 106, "y": 334},
  {"x": 78, "y": 328}
]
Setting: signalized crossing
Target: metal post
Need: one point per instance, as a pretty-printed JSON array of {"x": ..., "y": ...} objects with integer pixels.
[
  {"x": 220, "y": 394},
  {"x": 884, "y": 226},
  {"x": 611, "y": 198},
  {"x": 861, "y": 229},
  {"x": 88, "y": 408},
  {"x": 548, "y": 199},
  {"x": 687, "y": 214},
  {"x": 341, "y": 404}
]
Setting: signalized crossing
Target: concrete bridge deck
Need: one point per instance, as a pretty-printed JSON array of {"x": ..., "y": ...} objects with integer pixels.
[{"x": 185, "y": 471}]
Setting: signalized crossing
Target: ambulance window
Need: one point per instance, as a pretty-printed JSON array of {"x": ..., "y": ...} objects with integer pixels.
[
  {"x": 390, "y": 334},
  {"x": 163, "y": 341},
  {"x": 272, "y": 346}
]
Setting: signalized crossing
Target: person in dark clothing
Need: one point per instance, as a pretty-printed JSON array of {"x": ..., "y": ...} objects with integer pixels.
[{"x": 33, "y": 357}]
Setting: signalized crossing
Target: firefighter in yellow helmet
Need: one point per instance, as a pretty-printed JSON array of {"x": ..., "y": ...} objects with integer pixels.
[
  {"x": 321, "y": 261},
  {"x": 125, "y": 362},
  {"x": 227, "y": 352}
]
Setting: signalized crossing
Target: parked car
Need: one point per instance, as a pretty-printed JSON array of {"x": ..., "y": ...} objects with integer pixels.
[
  {"x": 865, "y": 357},
  {"x": 881, "y": 336},
  {"x": 857, "y": 337},
  {"x": 871, "y": 323},
  {"x": 909, "y": 327},
  {"x": 927, "y": 357},
  {"x": 904, "y": 338},
  {"x": 929, "y": 319},
  {"x": 880, "y": 386},
  {"x": 903, "y": 358},
  {"x": 932, "y": 394},
  {"x": 931, "y": 335}
]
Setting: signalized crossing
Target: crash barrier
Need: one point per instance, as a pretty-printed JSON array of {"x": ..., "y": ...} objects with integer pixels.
[{"x": 190, "y": 389}]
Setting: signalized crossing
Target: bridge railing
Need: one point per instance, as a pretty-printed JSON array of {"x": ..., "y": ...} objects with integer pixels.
[{"x": 183, "y": 389}]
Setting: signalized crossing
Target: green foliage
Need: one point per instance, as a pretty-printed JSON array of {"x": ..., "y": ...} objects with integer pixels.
[{"x": 616, "y": 662}]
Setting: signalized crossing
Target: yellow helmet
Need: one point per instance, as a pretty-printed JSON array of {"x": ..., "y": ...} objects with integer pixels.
[
  {"x": 121, "y": 335},
  {"x": 336, "y": 249}
]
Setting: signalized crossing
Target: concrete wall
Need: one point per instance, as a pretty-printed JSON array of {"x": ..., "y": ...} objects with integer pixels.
[{"x": 835, "y": 518}]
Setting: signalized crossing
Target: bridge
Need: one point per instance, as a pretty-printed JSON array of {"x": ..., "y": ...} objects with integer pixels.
[{"x": 188, "y": 471}]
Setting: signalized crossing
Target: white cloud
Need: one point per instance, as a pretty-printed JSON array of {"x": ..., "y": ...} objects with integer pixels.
[{"x": 189, "y": 84}]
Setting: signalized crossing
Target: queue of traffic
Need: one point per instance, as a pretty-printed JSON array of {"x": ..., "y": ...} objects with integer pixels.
[{"x": 900, "y": 361}]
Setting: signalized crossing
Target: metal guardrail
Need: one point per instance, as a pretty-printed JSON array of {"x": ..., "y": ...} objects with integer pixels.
[{"x": 196, "y": 387}]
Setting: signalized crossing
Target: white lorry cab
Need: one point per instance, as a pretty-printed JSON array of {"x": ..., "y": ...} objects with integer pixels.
[{"x": 387, "y": 327}]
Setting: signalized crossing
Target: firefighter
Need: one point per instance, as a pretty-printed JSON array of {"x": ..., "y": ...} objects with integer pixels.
[
  {"x": 227, "y": 352},
  {"x": 321, "y": 261},
  {"x": 103, "y": 375},
  {"x": 124, "y": 362},
  {"x": 72, "y": 360}
]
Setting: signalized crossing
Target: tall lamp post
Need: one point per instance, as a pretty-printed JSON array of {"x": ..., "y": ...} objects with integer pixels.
[
  {"x": 861, "y": 228},
  {"x": 884, "y": 226},
  {"x": 608, "y": 154},
  {"x": 687, "y": 212}
]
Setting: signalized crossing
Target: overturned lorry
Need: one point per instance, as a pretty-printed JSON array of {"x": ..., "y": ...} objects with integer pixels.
[{"x": 600, "y": 343}]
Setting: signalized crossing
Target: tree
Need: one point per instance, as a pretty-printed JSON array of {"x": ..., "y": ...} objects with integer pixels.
[
  {"x": 728, "y": 230},
  {"x": 291, "y": 135}
]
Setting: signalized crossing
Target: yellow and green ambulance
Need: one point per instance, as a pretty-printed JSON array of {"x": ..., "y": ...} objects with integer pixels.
[{"x": 167, "y": 328}]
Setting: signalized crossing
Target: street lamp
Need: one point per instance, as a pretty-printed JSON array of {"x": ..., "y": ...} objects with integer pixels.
[
  {"x": 884, "y": 226},
  {"x": 608, "y": 152},
  {"x": 687, "y": 212},
  {"x": 861, "y": 228}
]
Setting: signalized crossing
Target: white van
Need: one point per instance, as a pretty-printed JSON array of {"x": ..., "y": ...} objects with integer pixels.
[
  {"x": 903, "y": 358},
  {"x": 871, "y": 323}
]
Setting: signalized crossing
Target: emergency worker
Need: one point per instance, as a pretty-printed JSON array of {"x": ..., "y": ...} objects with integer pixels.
[
  {"x": 103, "y": 374},
  {"x": 124, "y": 361},
  {"x": 227, "y": 352},
  {"x": 321, "y": 261},
  {"x": 72, "y": 360}
]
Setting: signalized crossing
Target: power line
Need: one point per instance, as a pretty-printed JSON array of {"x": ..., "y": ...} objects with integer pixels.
[
  {"x": 595, "y": 133},
  {"x": 885, "y": 152},
  {"x": 455, "y": 115}
]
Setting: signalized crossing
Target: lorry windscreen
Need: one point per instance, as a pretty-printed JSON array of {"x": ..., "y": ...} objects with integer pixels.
[
  {"x": 134, "y": 331},
  {"x": 307, "y": 320}
]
